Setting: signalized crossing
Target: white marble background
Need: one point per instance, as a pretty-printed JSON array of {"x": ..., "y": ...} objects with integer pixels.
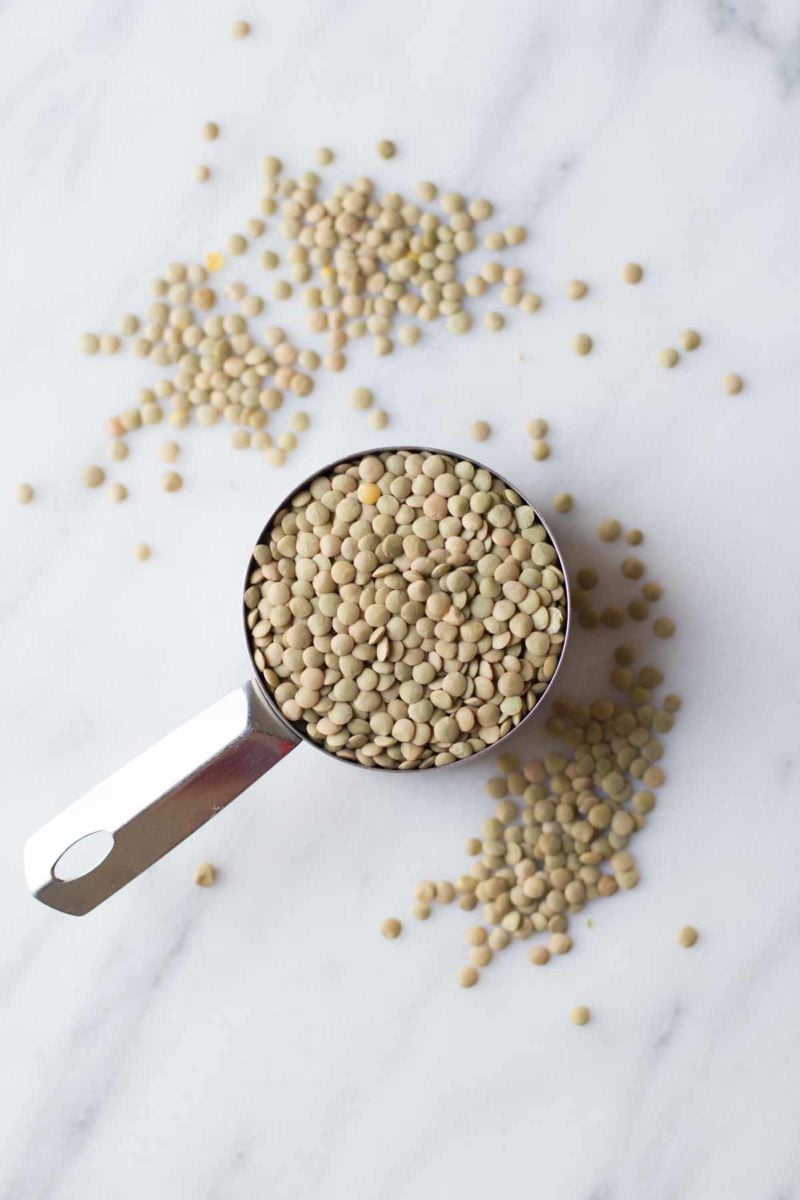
[{"x": 260, "y": 1039}]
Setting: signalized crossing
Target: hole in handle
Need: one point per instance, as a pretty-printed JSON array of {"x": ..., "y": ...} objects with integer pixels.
[{"x": 83, "y": 856}]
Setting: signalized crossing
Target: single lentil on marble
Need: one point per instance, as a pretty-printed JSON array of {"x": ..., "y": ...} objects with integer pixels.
[
  {"x": 609, "y": 529},
  {"x": 205, "y": 874},
  {"x": 92, "y": 477},
  {"x": 687, "y": 936},
  {"x": 425, "y": 599},
  {"x": 23, "y": 493},
  {"x": 467, "y": 977}
]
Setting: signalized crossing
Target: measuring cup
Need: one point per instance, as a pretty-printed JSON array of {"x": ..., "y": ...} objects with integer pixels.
[{"x": 126, "y": 823}]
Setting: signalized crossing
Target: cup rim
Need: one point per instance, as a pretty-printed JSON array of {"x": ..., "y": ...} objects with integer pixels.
[{"x": 294, "y": 730}]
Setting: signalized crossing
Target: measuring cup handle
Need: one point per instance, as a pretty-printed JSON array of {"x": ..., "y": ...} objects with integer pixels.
[{"x": 157, "y": 800}]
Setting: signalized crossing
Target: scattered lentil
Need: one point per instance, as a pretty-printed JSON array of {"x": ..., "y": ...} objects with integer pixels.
[
  {"x": 687, "y": 936},
  {"x": 576, "y": 289},
  {"x": 142, "y": 551},
  {"x": 480, "y": 430},
  {"x": 580, "y": 1015},
  {"x": 391, "y": 928},
  {"x": 171, "y": 481},
  {"x": 582, "y": 344},
  {"x": 632, "y": 273},
  {"x": 24, "y": 493},
  {"x": 467, "y": 977},
  {"x": 563, "y": 502},
  {"x": 690, "y": 339},
  {"x": 92, "y": 477},
  {"x": 668, "y": 357},
  {"x": 205, "y": 874},
  {"x": 732, "y": 384},
  {"x": 609, "y": 530}
]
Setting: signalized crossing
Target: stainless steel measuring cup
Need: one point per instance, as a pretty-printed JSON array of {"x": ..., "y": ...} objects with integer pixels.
[{"x": 133, "y": 818}]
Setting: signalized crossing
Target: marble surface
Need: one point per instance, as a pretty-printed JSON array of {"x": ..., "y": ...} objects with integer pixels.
[{"x": 259, "y": 1038}]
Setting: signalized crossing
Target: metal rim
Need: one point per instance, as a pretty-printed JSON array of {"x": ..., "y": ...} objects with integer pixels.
[{"x": 294, "y": 730}]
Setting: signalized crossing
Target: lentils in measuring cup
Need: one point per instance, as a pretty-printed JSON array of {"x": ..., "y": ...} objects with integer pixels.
[{"x": 406, "y": 610}]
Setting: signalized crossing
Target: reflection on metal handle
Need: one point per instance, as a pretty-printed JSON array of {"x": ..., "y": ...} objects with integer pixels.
[{"x": 158, "y": 799}]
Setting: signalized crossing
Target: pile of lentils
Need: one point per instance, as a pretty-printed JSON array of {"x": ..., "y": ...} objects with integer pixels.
[
  {"x": 407, "y": 610},
  {"x": 369, "y": 264},
  {"x": 563, "y": 823},
  {"x": 560, "y": 833}
]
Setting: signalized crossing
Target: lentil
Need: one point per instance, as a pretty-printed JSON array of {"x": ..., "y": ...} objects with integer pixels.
[
  {"x": 467, "y": 977},
  {"x": 609, "y": 530},
  {"x": 205, "y": 874},
  {"x": 171, "y": 481},
  {"x": 92, "y": 477}
]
